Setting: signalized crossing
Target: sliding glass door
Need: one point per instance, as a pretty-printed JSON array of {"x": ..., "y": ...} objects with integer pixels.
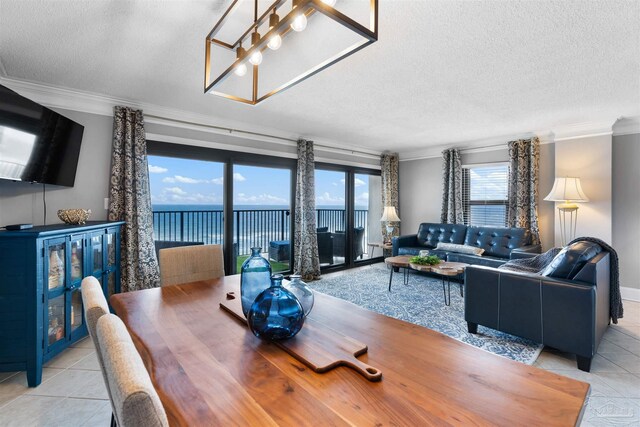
[
  {"x": 367, "y": 211},
  {"x": 262, "y": 214},
  {"x": 331, "y": 216},
  {"x": 187, "y": 199}
]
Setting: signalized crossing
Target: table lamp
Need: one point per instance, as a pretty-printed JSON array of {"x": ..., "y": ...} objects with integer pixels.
[
  {"x": 567, "y": 190},
  {"x": 389, "y": 216}
]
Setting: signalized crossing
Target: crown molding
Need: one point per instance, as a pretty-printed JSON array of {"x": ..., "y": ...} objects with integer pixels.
[
  {"x": 627, "y": 126},
  {"x": 87, "y": 102},
  {"x": 584, "y": 130},
  {"x": 475, "y": 146},
  {"x": 557, "y": 134}
]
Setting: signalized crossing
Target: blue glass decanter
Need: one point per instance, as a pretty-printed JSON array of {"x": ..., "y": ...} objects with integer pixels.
[
  {"x": 276, "y": 314},
  {"x": 300, "y": 289},
  {"x": 255, "y": 277}
]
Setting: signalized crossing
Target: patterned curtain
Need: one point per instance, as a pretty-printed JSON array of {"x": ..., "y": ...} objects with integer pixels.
[
  {"x": 389, "y": 164},
  {"x": 305, "y": 243},
  {"x": 130, "y": 201},
  {"x": 452, "y": 212},
  {"x": 524, "y": 159}
]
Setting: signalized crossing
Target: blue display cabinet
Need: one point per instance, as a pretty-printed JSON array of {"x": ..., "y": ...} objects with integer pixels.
[{"x": 41, "y": 270}]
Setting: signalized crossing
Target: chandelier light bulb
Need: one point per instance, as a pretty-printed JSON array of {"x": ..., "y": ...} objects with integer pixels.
[
  {"x": 299, "y": 23},
  {"x": 240, "y": 70},
  {"x": 256, "y": 58},
  {"x": 275, "y": 42},
  {"x": 329, "y": 2}
]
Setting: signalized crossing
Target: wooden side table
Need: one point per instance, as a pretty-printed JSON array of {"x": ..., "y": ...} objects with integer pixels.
[
  {"x": 372, "y": 245},
  {"x": 401, "y": 261}
]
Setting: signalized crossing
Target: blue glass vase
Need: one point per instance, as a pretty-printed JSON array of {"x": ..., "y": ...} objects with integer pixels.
[
  {"x": 276, "y": 314},
  {"x": 255, "y": 277},
  {"x": 300, "y": 289}
]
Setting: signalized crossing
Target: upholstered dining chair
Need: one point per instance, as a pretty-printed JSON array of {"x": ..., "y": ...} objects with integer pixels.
[
  {"x": 135, "y": 402},
  {"x": 95, "y": 306},
  {"x": 190, "y": 263}
]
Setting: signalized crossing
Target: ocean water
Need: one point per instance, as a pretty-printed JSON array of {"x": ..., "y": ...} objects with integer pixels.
[{"x": 254, "y": 225}]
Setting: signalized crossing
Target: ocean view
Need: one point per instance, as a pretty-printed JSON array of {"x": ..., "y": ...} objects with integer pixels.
[{"x": 254, "y": 225}]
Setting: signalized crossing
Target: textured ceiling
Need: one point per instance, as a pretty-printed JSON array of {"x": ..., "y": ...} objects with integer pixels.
[{"x": 441, "y": 72}]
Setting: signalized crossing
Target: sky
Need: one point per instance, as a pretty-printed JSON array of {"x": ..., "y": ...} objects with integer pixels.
[{"x": 184, "y": 181}]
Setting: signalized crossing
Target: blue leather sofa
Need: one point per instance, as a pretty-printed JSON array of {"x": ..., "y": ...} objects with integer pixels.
[{"x": 500, "y": 244}]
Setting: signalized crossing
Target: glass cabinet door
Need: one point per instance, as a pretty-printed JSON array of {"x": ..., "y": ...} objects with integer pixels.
[
  {"x": 111, "y": 249},
  {"x": 96, "y": 253},
  {"x": 56, "y": 328},
  {"x": 77, "y": 267},
  {"x": 76, "y": 320},
  {"x": 56, "y": 255}
]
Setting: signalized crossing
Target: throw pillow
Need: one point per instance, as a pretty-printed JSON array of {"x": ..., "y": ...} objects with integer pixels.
[
  {"x": 571, "y": 259},
  {"x": 462, "y": 249}
]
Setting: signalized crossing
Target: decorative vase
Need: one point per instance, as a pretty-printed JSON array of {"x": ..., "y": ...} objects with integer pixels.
[
  {"x": 255, "y": 277},
  {"x": 301, "y": 291},
  {"x": 276, "y": 313}
]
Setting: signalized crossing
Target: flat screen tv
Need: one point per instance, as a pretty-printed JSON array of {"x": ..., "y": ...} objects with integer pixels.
[{"x": 36, "y": 143}]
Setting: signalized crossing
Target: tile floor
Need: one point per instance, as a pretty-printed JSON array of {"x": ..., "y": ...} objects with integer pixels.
[{"x": 72, "y": 392}]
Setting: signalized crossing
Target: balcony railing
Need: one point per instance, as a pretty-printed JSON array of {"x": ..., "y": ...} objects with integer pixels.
[{"x": 250, "y": 227}]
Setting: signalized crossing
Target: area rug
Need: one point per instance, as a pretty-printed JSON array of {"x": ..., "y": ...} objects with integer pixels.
[{"x": 422, "y": 302}]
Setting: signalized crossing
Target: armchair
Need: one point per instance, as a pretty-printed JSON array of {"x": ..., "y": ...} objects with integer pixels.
[{"x": 339, "y": 242}]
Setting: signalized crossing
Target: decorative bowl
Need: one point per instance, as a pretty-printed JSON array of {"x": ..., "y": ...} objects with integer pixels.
[{"x": 74, "y": 216}]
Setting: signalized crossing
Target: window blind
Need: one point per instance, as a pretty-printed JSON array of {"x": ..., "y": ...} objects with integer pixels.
[{"x": 485, "y": 194}]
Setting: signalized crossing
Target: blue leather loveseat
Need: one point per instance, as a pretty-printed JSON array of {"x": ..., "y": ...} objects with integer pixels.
[{"x": 500, "y": 244}]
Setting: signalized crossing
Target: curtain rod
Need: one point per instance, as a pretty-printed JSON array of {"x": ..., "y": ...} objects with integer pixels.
[{"x": 247, "y": 132}]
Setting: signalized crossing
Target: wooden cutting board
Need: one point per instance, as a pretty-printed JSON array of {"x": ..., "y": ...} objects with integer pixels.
[{"x": 316, "y": 345}]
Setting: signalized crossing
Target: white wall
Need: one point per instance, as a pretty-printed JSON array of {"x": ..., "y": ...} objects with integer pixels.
[
  {"x": 590, "y": 159},
  {"x": 421, "y": 189},
  {"x": 626, "y": 208}
]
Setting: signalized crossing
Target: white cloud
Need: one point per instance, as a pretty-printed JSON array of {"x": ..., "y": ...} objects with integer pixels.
[
  {"x": 327, "y": 198},
  {"x": 267, "y": 199},
  {"x": 217, "y": 181},
  {"x": 364, "y": 197},
  {"x": 175, "y": 190},
  {"x": 358, "y": 182},
  {"x": 157, "y": 169},
  {"x": 237, "y": 177},
  {"x": 184, "y": 180}
]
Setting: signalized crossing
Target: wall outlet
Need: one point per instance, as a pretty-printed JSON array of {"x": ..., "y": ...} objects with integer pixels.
[{"x": 106, "y": 203}]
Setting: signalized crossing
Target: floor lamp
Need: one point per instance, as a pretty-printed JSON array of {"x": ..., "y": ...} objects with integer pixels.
[
  {"x": 389, "y": 216},
  {"x": 567, "y": 190}
]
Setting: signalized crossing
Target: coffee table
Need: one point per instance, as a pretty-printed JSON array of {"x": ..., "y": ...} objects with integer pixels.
[
  {"x": 400, "y": 261},
  {"x": 444, "y": 269}
]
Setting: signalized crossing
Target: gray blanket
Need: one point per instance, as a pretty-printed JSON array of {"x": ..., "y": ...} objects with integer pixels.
[{"x": 538, "y": 263}]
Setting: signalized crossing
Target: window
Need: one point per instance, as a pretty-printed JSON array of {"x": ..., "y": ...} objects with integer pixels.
[{"x": 485, "y": 194}]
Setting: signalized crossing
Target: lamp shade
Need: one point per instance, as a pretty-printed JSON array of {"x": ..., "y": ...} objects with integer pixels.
[
  {"x": 389, "y": 214},
  {"x": 567, "y": 189}
]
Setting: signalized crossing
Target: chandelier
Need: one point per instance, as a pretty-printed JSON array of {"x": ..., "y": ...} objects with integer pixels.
[{"x": 260, "y": 48}]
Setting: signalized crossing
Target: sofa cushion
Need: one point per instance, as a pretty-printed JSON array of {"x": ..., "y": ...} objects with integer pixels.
[
  {"x": 430, "y": 234},
  {"x": 462, "y": 249},
  {"x": 571, "y": 259},
  {"x": 497, "y": 241},
  {"x": 488, "y": 261}
]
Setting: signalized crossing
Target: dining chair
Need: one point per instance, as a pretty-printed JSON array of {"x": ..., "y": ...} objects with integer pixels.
[
  {"x": 134, "y": 400},
  {"x": 190, "y": 263},
  {"x": 95, "y": 306}
]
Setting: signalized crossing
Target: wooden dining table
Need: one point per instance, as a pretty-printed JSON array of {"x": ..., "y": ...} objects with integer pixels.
[{"x": 209, "y": 369}]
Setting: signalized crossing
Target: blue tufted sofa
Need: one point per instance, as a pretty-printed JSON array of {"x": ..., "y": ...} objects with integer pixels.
[{"x": 500, "y": 244}]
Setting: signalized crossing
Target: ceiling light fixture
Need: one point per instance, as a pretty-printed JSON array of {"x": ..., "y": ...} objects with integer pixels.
[{"x": 296, "y": 19}]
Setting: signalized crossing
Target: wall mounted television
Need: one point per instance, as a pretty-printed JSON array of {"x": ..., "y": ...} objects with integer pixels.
[{"x": 36, "y": 143}]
